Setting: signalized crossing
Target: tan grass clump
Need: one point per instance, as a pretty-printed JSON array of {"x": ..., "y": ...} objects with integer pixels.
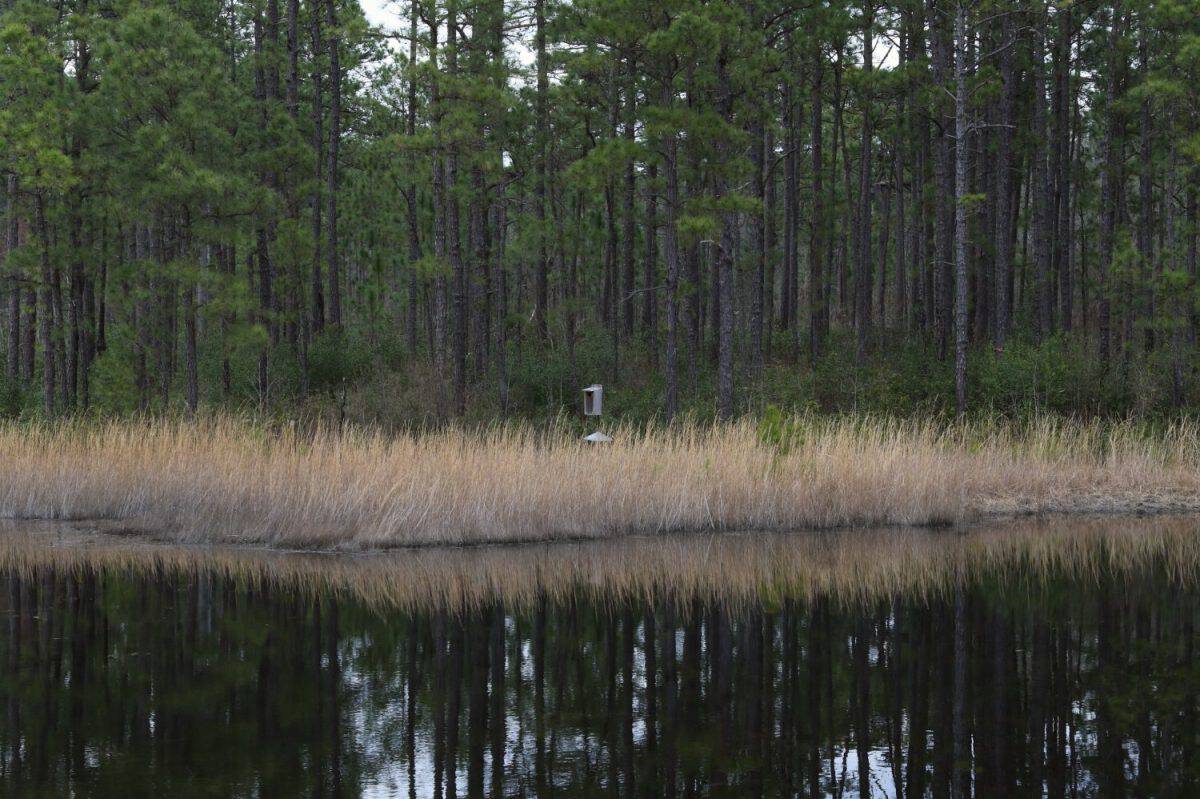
[{"x": 227, "y": 481}]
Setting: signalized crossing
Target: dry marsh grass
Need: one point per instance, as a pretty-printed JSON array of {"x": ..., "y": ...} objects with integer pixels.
[
  {"x": 848, "y": 567},
  {"x": 227, "y": 481}
]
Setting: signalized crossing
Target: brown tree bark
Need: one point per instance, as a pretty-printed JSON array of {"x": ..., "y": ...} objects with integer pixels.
[
  {"x": 863, "y": 279},
  {"x": 317, "y": 280},
  {"x": 629, "y": 230},
  {"x": 541, "y": 134},
  {"x": 1003, "y": 242},
  {"x": 11, "y": 242},
  {"x": 961, "y": 190},
  {"x": 333, "y": 43}
]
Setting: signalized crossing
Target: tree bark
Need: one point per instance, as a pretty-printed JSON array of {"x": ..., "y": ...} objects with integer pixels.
[
  {"x": 45, "y": 300},
  {"x": 629, "y": 232},
  {"x": 541, "y": 291},
  {"x": 725, "y": 256},
  {"x": 1108, "y": 187},
  {"x": 1040, "y": 187},
  {"x": 454, "y": 238},
  {"x": 944, "y": 177},
  {"x": 11, "y": 242},
  {"x": 863, "y": 280},
  {"x": 818, "y": 292},
  {"x": 671, "y": 255},
  {"x": 962, "y": 133},
  {"x": 331, "y": 170},
  {"x": 318, "y": 144},
  {"x": 1003, "y": 192}
]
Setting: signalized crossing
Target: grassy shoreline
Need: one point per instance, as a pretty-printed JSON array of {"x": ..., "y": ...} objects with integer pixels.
[{"x": 228, "y": 481}]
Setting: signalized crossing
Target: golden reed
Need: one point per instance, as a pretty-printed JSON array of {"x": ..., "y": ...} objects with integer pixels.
[{"x": 227, "y": 481}]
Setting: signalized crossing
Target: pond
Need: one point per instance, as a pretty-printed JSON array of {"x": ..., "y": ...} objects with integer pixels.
[{"x": 1039, "y": 657}]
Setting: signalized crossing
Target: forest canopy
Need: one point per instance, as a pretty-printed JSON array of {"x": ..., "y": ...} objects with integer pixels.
[{"x": 713, "y": 207}]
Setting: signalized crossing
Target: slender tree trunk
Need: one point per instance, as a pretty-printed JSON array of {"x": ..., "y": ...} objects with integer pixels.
[
  {"x": 671, "y": 255},
  {"x": 629, "y": 233},
  {"x": 454, "y": 238},
  {"x": 902, "y": 149},
  {"x": 318, "y": 144},
  {"x": 1040, "y": 186},
  {"x": 192, "y": 390},
  {"x": 28, "y": 337},
  {"x": 791, "y": 210},
  {"x": 45, "y": 300},
  {"x": 725, "y": 259},
  {"x": 1149, "y": 265},
  {"x": 1062, "y": 166},
  {"x": 1003, "y": 193},
  {"x": 757, "y": 159},
  {"x": 265, "y": 53},
  {"x": 414, "y": 238},
  {"x": 961, "y": 189},
  {"x": 333, "y": 43},
  {"x": 1108, "y": 186},
  {"x": 436, "y": 102},
  {"x": 541, "y": 135},
  {"x": 650, "y": 267},
  {"x": 818, "y": 292},
  {"x": 944, "y": 177},
  {"x": 11, "y": 242},
  {"x": 863, "y": 280}
]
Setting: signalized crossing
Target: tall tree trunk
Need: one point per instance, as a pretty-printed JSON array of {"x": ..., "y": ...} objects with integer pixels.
[
  {"x": 1108, "y": 185},
  {"x": 902, "y": 148},
  {"x": 436, "y": 102},
  {"x": 671, "y": 254},
  {"x": 863, "y": 280},
  {"x": 192, "y": 390},
  {"x": 318, "y": 144},
  {"x": 629, "y": 232},
  {"x": 1145, "y": 220},
  {"x": 45, "y": 300},
  {"x": 11, "y": 242},
  {"x": 1062, "y": 165},
  {"x": 541, "y": 135},
  {"x": 410, "y": 128},
  {"x": 944, "y": 177},
  {"x": 457, "y": 264},
  {"x": 333, "y": 42},
  {"x": 791, "y": 210},
  {"x": 818, "y": 292},
  {"x": 1003, "y": 191},
  {"x": 758, "y": 161},
  {"x": 265, "y": 53},
  {"x": 725, "y": 255},
  {"x": 1040, "y": 187},
  {"x": 961, "y": 189},
  {"x": 650, "y": 267}
]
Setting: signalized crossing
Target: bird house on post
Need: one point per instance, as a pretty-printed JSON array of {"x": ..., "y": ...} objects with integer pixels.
[{"x": 593, "y": 399}]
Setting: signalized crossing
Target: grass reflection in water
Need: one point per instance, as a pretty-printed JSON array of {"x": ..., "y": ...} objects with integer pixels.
[{"x": 807, "y": 664}]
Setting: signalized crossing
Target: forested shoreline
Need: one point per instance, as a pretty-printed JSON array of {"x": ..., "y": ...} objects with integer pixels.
[{"x": 710, "y": 206}]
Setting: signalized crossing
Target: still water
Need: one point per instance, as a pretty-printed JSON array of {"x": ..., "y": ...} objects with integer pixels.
[{"x": 1013, "y": 666}]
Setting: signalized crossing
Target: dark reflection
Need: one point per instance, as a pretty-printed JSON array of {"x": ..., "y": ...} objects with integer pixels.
[{"x": 122, "y": 683}]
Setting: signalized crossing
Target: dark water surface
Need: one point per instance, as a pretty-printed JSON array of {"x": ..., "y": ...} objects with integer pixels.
[{"x": 1029, "y": 679}]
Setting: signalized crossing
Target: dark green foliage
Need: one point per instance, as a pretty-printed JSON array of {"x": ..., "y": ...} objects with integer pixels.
[{"x": 710, "y": 207}]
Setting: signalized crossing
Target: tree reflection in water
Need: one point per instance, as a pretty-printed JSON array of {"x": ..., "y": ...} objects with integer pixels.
[{"x": 135, "y": 682}]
